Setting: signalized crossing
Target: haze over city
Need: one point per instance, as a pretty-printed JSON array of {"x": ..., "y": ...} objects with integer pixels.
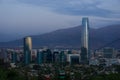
[{"x": 19, "y": 18}]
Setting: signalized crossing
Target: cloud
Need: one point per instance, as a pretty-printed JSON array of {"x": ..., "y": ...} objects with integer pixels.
[
  {"x": 102, "y": 8},
  {"x": 28, "y": 19},
  {"x": 110, "y": 5},
  {"x": 38, "y": 16}
]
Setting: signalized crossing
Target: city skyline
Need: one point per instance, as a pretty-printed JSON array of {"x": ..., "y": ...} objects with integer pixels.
[{"x": 59, "y": 39}]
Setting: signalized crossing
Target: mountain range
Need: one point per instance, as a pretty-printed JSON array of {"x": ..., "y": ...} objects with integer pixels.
[{"x": 108, "y": 36}]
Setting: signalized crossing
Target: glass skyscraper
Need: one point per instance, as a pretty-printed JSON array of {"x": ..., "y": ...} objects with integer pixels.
[
  {"x": 84, "y": 39},
  {"x": 85, "y": 33},
  {"x": 27, "y": 50}
]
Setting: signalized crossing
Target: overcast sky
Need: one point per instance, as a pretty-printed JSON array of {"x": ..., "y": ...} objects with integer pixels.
[{"x": 38, "y": 16}]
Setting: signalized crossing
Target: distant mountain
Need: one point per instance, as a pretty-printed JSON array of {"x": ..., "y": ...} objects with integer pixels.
[
  {"x": 5, "y": 37},
  {"x": 108, "y": 36},
  {"x": 71, "y": 38}
]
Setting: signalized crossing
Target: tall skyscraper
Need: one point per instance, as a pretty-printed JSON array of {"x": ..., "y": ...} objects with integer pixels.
[
  {"x": 84, "y": 39},
  {"x": 27, "y": 50},
  {"x": 85, "y": 33}
]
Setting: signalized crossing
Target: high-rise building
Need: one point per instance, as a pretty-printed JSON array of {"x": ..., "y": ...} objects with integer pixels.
[
  {"x": 73, "y": 58},
  {"x": 47, "y": 56},
  {"x": 56, "y": 56},
  {"x": 39, "y": 57},
  {"x": 108, "y": 52},
  {"x": 14, "y": 57},
  {"x": 33, "y": 55},
  {"x": 85, "y": 33},
  {"x": 62, "y": 57},
  {"x": 27, "y": 50},
  {"x": 84, "y": 55},
  {"x": 85, "y": 39}
]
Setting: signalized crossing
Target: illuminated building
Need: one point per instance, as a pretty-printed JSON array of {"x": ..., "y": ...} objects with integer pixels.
[
  {"x": 27, "y": 50},
  {"x": 84, "y": 40}
]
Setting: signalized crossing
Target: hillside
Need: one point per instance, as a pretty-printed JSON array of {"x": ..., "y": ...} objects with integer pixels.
[{"x": 71, "y": 38}]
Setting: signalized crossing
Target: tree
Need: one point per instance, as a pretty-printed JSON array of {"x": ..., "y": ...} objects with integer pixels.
[{"x": 3, "y": 75}]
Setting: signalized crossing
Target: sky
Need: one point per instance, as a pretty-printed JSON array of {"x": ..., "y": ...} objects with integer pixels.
[{"x": 30, "y": 17}]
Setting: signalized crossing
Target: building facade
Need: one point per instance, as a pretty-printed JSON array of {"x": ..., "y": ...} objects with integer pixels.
[
  {"x": 27, "y": 50},
  {"x": 85, "y": 39}
]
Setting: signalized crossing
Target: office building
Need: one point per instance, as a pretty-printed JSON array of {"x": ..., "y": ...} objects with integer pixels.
[
  {"x": 14, "y": 57},
  {"x": 56, "y": 56},
  {"x": 39, "y": 57},
  {"x": 108, "y": 52},
  {"x": 84, "y": 33},
  {"x": 73, "y": 58},
  {"x": 27, "y": 50},
  {"x": 47, "y": 56},
  {"x": 85, "y": 39},
  {"x": 83, "y": 55},
  {"x": 33, "y": 55},
  {"x": 62, "y": 57}
]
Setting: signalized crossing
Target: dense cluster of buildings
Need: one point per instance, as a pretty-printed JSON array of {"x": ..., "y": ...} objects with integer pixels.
[{"x": 105, "y": 56}]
